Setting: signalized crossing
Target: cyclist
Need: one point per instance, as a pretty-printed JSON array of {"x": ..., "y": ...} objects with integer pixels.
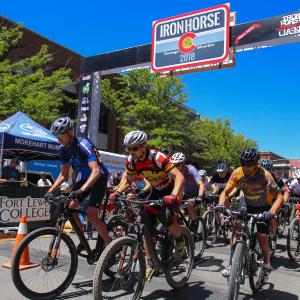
[
  {"x": 268, "y": 165},
  {"x": 219, "y": 180},
  {"x": 259, "y": 190},
  {"x": 166, "y": 182},
  {"x": 295, "y": 184},
  {"x": 193, "y": 185},
  {"x": 89, "y": 173},
  {"x": 204, "y": 178}
]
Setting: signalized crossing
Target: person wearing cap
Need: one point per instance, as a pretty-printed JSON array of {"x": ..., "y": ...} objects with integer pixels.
[
  {"x": 43, "y": 181},
  {"x": 10, "y": 173}
]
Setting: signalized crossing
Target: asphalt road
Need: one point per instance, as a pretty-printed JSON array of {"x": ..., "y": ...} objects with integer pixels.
[{"x": 206, "y": 281}]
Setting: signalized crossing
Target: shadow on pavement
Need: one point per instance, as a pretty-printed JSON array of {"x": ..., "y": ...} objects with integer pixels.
[
  {"x": 281, "y": 261},
  {"x": 270, "y": 293},
  {"x": 192, "y": 291},
  {"x": 209, "y": 261},
  {"x": 82, "y": 288}
]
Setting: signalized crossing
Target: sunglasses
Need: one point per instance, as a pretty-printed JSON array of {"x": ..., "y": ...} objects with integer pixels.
[
  {"x": 133, "y": 149},
  {"x": 245, "y": 164}
]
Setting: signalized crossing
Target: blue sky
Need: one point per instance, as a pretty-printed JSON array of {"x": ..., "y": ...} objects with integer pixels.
[{"x": 260, "y": 95}]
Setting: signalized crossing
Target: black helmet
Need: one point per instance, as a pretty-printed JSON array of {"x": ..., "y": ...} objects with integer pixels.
[
  {"x": 250, "y": 155},
  {"x": 267, "y": 164},
  {"x": 61, "y": 125}
]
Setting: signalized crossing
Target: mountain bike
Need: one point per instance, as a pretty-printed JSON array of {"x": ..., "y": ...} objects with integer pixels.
[
  {"x": 55, "y": 254},
  {"x": 198, "y": 232},
  {"x": 125, "y": 255},
  {"x": 216, "y": 224},
  {"x": 246, "y": 257},
  {"x": 293, "y": 237}
]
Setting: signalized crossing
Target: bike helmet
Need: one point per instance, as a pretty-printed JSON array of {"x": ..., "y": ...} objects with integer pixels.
[
  {"x": 297, "y": 173},
  {"x": 177, "y": 158},
  {"x": 61, "y": 125},
  {"x": 250, "y": 155},
  {"x": 267, "y": 164},
  {"x": 221, "y": 167},
  {"x": 202, "y": 173},
  {"x": 135, "y": 137}
]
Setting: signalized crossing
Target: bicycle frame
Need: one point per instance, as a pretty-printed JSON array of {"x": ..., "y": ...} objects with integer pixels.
[{"x": 67, "y": 214}]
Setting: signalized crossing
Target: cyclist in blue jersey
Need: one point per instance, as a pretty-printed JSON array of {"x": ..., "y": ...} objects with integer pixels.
[{"x": 89, "y": 175}]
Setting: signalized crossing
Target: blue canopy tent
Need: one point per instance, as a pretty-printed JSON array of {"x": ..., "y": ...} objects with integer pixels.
[{"x": 22, "y": 137}]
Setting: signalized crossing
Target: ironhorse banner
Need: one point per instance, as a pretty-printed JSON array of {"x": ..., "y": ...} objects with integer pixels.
[{"x": 192, "y": 39}]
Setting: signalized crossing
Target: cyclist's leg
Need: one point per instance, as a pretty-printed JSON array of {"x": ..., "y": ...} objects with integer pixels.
[
  {"x": 191, "y": 209},
  {"x": 75, "y": 204},
  {"x": 96, "y": 196}
]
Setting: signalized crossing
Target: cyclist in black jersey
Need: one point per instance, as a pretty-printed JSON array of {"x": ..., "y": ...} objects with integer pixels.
[{"x": 89, "y": 173}]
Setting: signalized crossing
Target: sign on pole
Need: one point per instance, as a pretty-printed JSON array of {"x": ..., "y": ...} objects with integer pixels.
[{"x": 192, "y": 39}]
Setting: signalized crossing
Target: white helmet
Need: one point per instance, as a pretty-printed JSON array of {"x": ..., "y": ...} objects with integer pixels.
[
  {"x": 177, "y": 158},
  {"x": 297, "y": 173},
  {"x": 202, "y": 173},
  {"x": 135, "y": 137}
]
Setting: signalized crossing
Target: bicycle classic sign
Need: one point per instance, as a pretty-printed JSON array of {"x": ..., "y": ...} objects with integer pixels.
[{"x": 192, "y": 39}]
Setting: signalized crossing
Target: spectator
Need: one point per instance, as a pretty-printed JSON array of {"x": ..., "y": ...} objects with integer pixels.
[
  {"x": 110, "y": 181},
  {"x": 10, "y": 173},
  {"x": 43, "y": 181},
  {"x": 117, "y": 178}
]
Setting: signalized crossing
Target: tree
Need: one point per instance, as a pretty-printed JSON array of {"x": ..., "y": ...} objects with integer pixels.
[
  {"x": 148, "y": 102},
  {"x": 220, "y": 142},
  {"x": 25, "y": 87}
]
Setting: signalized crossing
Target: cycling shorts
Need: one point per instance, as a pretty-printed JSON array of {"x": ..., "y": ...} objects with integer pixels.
[
  {"x": 263, "y": 227},
  {"x": 154, "y": 212},
  {"x": 94, "y": 196}
]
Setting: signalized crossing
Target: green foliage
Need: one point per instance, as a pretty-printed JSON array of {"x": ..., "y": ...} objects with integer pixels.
[
  {"x": 145, "y": 101},
  {"x": 148, "y": 102},
  {"x": 25, "y": 87},
  {"x": 220, "y": 142}
]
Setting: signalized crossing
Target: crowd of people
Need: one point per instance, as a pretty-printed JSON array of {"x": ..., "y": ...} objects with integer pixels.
[{"x": 151, "y": 174}]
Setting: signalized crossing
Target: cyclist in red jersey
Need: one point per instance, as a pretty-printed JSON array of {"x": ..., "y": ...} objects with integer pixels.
[{"x": 166, "y": 181}]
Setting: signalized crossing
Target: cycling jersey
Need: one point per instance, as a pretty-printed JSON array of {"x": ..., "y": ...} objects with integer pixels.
[
  {"x": 79, "y": 154},
  {"x": 295, "y": 187},
  {"x": 191, "y": 177},
  {"x": 155, "y": 169},
  {"x": 205, "y": 180},
  {"x": 259, "y": 189},
  {"x": 280, "y": 183},
  {"x": 220, "y": 182}
]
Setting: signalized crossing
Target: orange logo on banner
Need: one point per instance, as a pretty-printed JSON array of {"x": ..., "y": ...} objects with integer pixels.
[{"x": 185, "y": 43}]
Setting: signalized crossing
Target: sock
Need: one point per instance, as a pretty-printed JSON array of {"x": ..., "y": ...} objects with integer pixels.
[
  {"x": 267, "y": 266},
  {"x": 149, "y": 262}
]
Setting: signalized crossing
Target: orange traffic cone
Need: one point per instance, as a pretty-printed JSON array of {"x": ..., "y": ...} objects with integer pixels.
[{"x": 25, "y": 260}]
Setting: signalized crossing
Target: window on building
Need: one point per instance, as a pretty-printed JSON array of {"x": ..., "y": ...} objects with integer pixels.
[{"x": 103, "y": 119}]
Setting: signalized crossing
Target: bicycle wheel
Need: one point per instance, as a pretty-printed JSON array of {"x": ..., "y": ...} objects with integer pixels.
[
  {"x": 238, "y": 271},
  {"x": 272, "y": 244},
  {"x": 255, "y": 267},
  {"x": 199, "y": 239},
  {"x": 293, "y": 240},
  {"x": 282, "y": 223},
  {"x": 52, "y": 276},
  {"x": 210, "y": 227},
  {"x": 179, "y": 267},
  {"x": 129, "y": 267}
]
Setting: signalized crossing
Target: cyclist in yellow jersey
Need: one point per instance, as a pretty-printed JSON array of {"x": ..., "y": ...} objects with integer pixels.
[{"x": 260, "y": 189}]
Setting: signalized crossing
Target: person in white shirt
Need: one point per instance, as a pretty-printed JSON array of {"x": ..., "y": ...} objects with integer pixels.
[
  {"x": 295, "y": 184},
  {"x": 43, "y": 181}
]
